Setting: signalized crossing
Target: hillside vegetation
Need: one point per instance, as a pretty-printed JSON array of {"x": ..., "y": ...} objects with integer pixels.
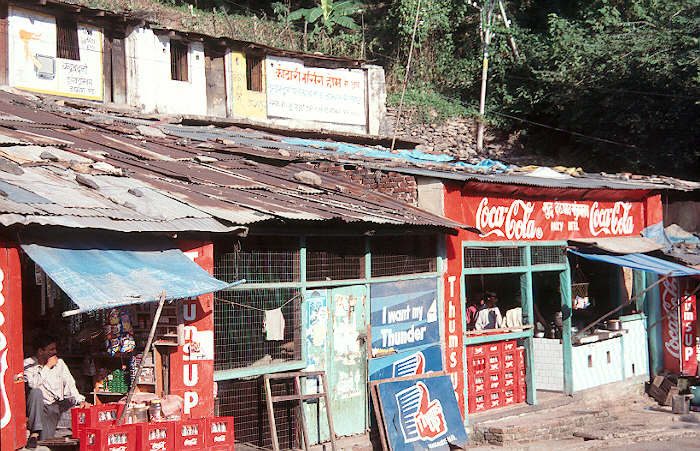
[{"x": 609, "y": 85}]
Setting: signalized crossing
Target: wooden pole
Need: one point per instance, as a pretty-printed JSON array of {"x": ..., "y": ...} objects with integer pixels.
[
  {"x": 149, "y": 342},
  {"x": 511, "y": 39},
  {"x": 486, "y": 24},
  {"x": 579, "y": 333}
]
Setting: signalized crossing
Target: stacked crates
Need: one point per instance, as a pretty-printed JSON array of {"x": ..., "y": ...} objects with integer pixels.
[{"x": 495, "y": 375}]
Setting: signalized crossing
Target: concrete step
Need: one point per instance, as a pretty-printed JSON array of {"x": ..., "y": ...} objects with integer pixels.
[{"x": 544, "y": 425}]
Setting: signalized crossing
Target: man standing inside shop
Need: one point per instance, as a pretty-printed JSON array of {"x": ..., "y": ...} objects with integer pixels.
[{"x": 52, "y": 390}]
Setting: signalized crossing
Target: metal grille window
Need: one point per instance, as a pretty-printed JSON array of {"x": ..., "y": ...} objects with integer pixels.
[
  {"x": 239, "y": 335},
  {"x": 245, "y": 401},
  {"x": 335, "y": 258},
  {"x": 409, "y": 254},
  {"x": 543, "y": 255},
  {"x": 253, "y": 72},
  {"x": 261, "y": 260},
  {"x": 67, "y": 39},
  {"x": 493, "y": 257},
  {"x": 178, "y": 61}
]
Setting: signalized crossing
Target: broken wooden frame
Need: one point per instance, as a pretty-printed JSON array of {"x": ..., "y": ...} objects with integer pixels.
[{"x": 300, "y": 398}]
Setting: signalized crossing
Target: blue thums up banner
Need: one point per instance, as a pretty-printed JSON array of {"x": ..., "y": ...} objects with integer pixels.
[
  {"x": 404, "y": 314},
  {"x": 421, "y": 414},
  {"x": 407, "y": 363}
]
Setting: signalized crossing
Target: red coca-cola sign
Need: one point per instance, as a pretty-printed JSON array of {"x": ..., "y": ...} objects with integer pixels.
[
  {"x": 680, "y": 353},
  {"x": 528, "y": 220}
]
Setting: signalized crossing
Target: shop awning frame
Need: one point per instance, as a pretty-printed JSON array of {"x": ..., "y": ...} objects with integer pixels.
[
  {"x": 105, "y": 272},
  {"x": 642, "y": 262}
]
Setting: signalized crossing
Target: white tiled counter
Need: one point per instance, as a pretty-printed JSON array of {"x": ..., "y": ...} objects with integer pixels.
[
  {"x": 549, "y": 367},
  {"x": 593, "y": 364}
]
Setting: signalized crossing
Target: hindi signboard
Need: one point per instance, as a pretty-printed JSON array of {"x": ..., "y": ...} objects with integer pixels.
[
  {"x": 35, "y": 66},
  {"x": 295, "y": 91}
]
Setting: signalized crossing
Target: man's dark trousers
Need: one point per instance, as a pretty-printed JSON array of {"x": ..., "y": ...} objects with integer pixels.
[{"x": 41, "y": 417}]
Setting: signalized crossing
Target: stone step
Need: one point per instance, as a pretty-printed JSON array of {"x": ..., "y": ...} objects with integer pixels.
[{"x": 543, "y": 426}]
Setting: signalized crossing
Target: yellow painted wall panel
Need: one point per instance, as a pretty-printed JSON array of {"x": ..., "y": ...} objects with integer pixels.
[{"x": 251, "y": 104}]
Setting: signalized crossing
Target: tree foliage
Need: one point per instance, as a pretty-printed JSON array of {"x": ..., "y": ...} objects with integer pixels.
[
  {"x": 609, "y": 85},
  {"x": 620, "y": 77}
]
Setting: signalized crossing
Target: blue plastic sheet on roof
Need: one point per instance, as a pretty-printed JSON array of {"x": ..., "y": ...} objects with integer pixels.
[
  {"x": 488, "y": 164},
  {"x": 99, "y": 274},
  {"x": 642, "y": 262},
  {"x": 408, "y": 155}
]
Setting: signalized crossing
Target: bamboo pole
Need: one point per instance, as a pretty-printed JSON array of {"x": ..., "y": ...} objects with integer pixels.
[{"x": 149, "y": 342}]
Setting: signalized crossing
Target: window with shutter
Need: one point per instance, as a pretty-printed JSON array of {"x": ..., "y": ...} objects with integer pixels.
[
  {"x": 67, "y": 39},
  {"x": 253, "y": 69},
  {"x": 178, "y": 61}
]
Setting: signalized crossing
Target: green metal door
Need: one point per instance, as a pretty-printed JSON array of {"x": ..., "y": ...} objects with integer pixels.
[
  {"x": 347, "y": 358},
  {"x": 343, "y": 355}
]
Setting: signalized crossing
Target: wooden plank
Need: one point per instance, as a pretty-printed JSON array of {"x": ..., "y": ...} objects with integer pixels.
[
  {"x": 118, "y": 71},
  {"x": 215, "y": 76},
  {"x": 107, "y": 68},
  {"x": 282, "y": 398},
  {"x": 271, "y": 414},
  {"x": 374, "y": 395},
  {"x": 302, "y": 415},
  {"x": 4, "y": 63},
  {"x": 329, "y": 414}
]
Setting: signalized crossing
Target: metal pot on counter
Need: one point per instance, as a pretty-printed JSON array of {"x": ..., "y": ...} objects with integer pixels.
[{"x": 613, "y": 324}]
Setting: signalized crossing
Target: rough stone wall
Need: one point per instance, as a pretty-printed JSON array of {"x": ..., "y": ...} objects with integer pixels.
[
  {"x": 457, "y": 137},
  {"x": 399, "y": 186}
]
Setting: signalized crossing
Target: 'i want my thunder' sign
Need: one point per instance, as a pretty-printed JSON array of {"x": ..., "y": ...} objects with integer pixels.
[{"x": 404, "y": 314}]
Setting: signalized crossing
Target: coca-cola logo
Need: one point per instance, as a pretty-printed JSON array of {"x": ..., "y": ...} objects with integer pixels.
[
  {"x": 190, "y": 442},
  {"x": 157, "y": 445},
  {"x": 118, "y": 448},
  {"x": 510, "y": 222},
  {"x": 668, "y": 298},
  {"x": 611, "y": 221}
]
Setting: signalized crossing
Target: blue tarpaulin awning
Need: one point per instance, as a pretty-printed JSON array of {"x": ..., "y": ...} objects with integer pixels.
[
  {"x": 642, "y": 262},
  {"x": 107, "y": 273}
]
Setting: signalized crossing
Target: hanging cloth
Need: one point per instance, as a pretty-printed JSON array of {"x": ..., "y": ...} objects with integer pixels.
[{"x": 274, "y": 325}]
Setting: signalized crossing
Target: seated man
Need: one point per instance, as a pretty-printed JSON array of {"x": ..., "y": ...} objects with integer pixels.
[
  {"x": 52, "y": 390},
  {"x": 490, "y": 316}
]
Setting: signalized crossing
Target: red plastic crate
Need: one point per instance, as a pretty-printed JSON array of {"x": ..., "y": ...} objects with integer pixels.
[
  {"x": 477, "y": 350},
  {"x": 477, "y": 403},
  {"x": 521, "y": 393},
  {"x": 115, "y": 438},
  {"x": 477, "y": 384},
  {"x": 521, "y": 356},
  {"x": 494, "y": 399},
  {"x": 494, "y": 363},
  {"x": 476, "y": 366},
  {"x": 190, "y": 434},
  {"x": 509, "y": 379},
  {"x": 494, "y": 348},
  {"x": 509, "y": 396},
  {"x": 101, "y": 415},
  {"x": 510, "y": 361},
  {"x": 155, "y": 436},
  {"x": 509, "y": 346},
  {"x": 494, "y": 381},
  {"x": 219, "y": 432}
]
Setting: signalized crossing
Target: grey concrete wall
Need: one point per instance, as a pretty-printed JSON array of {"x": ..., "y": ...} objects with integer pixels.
[
  {"x": 684, "y": 213},
  {"x": 376, "y": 100},
  {"x": 430, "y": 195}
]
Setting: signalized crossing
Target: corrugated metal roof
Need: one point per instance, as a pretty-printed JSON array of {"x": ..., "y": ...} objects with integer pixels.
[{"x": 179, "y": 182}]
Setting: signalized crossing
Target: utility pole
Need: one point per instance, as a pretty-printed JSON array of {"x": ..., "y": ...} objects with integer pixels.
[
  {"x": 486, "y": 17},
  {"x": 507, "y": 24}
]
